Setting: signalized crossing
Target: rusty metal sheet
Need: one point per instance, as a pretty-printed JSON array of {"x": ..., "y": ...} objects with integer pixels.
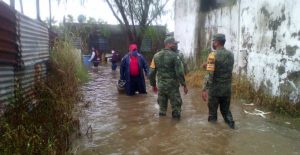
[
  {"x": 8, "y": 36},
  {"x": 6, "y": 84},
  {"x": 34, "y": 40},
  {"x": 28, "y": 77}
]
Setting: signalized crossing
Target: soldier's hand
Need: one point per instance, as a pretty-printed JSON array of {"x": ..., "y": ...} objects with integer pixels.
[
  {"x": 204, "y": 95},
  {"x": 185, "y": 90},
  {"x": 204, "y": 65},
  {"x": 154, "y": 88}
]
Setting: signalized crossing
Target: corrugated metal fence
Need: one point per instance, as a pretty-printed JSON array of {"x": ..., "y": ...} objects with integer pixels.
[
  {"x": 24, "y": 51},
  {"x": 8, "y": 36},
  {"x": 34, "y": 39}
]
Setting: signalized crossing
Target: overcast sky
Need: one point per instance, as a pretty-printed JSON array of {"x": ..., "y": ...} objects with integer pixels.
[{"x": 91, "y": 8}]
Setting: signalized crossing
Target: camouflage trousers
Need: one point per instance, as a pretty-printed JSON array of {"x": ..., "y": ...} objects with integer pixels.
[
  {"x": 175, "y": 99},
  {"x": 224, "y": 102}
]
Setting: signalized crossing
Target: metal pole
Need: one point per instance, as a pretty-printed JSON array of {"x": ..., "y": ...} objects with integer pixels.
[
  {"x": 50, "y": 14},
  {"x": 38, "y": 9},
  {"x": 21, "y": 4}
]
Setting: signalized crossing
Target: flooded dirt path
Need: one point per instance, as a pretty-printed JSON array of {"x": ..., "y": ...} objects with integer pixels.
[{"x": 130, "y": 125}]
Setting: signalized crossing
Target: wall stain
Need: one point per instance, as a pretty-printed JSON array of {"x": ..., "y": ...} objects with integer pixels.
[
  {"x": 295, "y": 34},
  {"x": 274, "y": 24},
  {"x": 295, "y": 77},
  {"x": 283, "y": 61},
  {"x": 286, "y": 88},
  {"x": 265, "y": 12},
  {"x": 245, "y": 9},
  {"x": 243, "y": 29},
  {"x": 289, "y": 21},
  {"x": 291, "y": 50},
  {"x": 281, "y": 70},
  {"x": 273, "y": 41}
]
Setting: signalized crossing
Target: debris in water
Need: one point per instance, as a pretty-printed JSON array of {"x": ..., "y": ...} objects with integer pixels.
[
  {"x": 288, "y": 123},
  {"x": 251, "y": 104},
  {"x": 258, "y": 113}
]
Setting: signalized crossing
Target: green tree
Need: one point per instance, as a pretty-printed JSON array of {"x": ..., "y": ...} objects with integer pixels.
[
  {"x": 70, "y": 19},
  {"x": 91, "y": 20},
  {"x": 51, "y": 21},
  {"x": 135, "y": 16}
]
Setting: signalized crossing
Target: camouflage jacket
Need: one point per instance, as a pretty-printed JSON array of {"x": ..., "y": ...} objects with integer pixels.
[
  {"x": 219, "y": 66},
  {"x": 168, "y": 68},
  {"x": 181, "y": 56}
]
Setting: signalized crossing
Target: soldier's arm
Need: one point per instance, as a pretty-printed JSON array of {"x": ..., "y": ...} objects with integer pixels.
[
  {"x": 210, "y": 67},
  {"x": 152, "y": 73},
  {"x": 179, "y": 71}
]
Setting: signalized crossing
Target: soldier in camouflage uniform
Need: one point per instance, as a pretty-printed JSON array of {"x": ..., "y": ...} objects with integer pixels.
[
  {"x": 217, "y": 86},
  {"x": 168, "y": 68}
]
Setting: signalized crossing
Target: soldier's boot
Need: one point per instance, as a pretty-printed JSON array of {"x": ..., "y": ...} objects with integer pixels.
[
  {"x": 228, "y": 119},
  {"x": 231, "y": 124},
  {"x": 212, "y": 119},
  {"x": 176, "y": 115},
  {"x": 162, "y": 113}
]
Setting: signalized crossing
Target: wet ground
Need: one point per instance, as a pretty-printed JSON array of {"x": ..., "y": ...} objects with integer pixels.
[{"x": 114, "y": 123}]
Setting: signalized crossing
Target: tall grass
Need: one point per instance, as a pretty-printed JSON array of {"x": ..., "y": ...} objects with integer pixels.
[
  {"x": 44, "y": 126},
  {"x": 242, "y": 88}
]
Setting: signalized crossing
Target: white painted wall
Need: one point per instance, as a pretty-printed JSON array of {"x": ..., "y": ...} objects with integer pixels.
[
  {"x": 185, "y": 25},
  {"x": 262, "y": 35}
]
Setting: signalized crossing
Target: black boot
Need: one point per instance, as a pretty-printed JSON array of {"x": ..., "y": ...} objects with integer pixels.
[
  {"x": 231, "y": 124},
  {"x": 162, "y": 114},
  {"x": 176, "y": 115},
  {"x": 212, "y": 119}
]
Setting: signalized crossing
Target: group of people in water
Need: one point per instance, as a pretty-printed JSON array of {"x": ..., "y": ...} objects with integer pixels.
[{"x": 167, "y": 73}]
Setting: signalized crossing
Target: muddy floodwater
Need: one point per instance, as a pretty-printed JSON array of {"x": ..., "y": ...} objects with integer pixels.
[{"x": 113, "y": 123}]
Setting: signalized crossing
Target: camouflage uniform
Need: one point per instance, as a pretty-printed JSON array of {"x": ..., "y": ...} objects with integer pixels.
[
  {"x": 218, "y": 83},
  {"x": 181, "y": 56},
  {"x": 168, "y": 68}
]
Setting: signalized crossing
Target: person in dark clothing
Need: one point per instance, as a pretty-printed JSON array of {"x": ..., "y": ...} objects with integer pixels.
[
  {"x": 132, "y": 68},
  {"x": 114, "y": 60},
  {"x": 95, "y": 58}
]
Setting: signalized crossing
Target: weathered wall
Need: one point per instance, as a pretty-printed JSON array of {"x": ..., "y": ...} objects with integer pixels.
[
  {"x": 185, "y": 25},
  {"x": 270, "y": 34},
  {"x": 264, "y": 36}
]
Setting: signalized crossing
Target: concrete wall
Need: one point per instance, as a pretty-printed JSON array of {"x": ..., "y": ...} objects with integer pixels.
[
  {"x": 185, "y": 25},
  {"x": 264, "y": 36}
]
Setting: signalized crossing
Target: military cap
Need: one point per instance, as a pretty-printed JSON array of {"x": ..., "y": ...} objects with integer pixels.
[
  {"x": 170, "y": 40},
  {"x": 219, "y": 37}
]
